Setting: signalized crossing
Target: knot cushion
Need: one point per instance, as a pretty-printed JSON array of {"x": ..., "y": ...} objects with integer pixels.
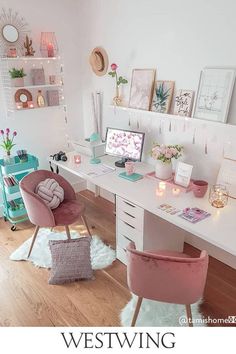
[{"x": 51, "y": 192}]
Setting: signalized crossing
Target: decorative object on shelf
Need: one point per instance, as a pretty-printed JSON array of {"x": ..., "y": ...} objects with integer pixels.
[
  {"x": 38, "y": 77},
  {"x": 162, "y": 96},
  {"x": 99, "y": 61},
  {"x": 7, "y": 144},
  {"x": 23, "y": 156},
  {"x": 117, "y": 100},
  {"x": 48, "y": 44},
  {"x": 23, "y": 96},
  {"x": 17, "y": 76},
  {"x": 13, "y": 29},
  {"x": 199, "y": 188},
  {"x": 28, "y": 46},
  {"x": 12, "y": 53},
  {"x": 218, "y": 196},
  {"x": 164, "y": 154},
  {"x": 53, "y": 98},
  {"x": 30, "y": 104},
  {"x": 184, "y": 103},
  {"x": 183, "y": 174},
  {"x": 227, "y": 176},
  {"x": 214, "y": 94},
  {"x": 40, "y": 99},
  {"x": 52, "y": 79},
  {"x": 141, "y": 90}
]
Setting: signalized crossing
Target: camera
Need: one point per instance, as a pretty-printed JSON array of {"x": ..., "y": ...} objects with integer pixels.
[{"x": 60, "y": 156}]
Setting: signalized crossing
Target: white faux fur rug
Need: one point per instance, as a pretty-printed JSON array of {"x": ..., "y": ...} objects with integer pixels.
[
  {"x": 159, "y": 314},
  {"x": 101, "y": 255}
]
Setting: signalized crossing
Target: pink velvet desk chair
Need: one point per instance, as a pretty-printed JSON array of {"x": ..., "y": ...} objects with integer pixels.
[
  {"x": 68, "y": 212},
  {"x": 166, "y": 276}
]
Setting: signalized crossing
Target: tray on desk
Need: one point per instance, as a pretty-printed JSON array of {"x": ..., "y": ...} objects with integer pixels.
[{"x": 170, "y": 181}]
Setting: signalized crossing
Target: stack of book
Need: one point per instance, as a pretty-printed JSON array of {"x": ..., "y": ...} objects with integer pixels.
[{"x": 10, "y": 181}]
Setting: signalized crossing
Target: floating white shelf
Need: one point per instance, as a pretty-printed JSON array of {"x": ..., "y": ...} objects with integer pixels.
[
  {"x": 32, "y": 86},
  {"x": 30, "y": 58},
  {"x": 164, "y": 115},
  {"x": 32, "y": 109}
]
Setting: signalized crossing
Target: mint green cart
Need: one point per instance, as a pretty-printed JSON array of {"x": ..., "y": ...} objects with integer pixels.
[{"x": 19, "y": 169}]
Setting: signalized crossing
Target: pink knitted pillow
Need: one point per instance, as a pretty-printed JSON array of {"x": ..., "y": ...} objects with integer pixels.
[
  {"x": 70, "y": 260},
  {"x": 51, "y": 192}
]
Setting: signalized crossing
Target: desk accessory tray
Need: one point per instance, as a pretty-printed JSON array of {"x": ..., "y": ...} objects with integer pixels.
[
  {"x": 170, "y": 181},
  {"x": 134, "y": 177}
]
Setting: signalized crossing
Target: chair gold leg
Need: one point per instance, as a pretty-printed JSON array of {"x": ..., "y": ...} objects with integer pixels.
[
  {"x": 86, "y": 224},
  {"x": 136, "y": 312},
  {"x": 189, "y": 315},
  {"x": 67, "y": 232},
  {"x": 36, "y": 230}
]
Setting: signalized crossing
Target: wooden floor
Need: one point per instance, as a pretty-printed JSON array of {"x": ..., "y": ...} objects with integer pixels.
[{"x": 26, "y": 299}]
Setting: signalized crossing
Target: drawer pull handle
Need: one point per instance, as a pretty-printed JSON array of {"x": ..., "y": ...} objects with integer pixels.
[
  {"x": 129, "y": 215},
  {"x": 133, "y": 206},
  {"x": 127, "y": 238},
  {"x": 128, "y": 225}
]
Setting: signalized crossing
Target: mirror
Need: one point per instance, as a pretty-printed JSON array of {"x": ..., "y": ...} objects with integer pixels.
[
  {"x": 10, "y": 33},
  {"x": 23, "y": 98}
]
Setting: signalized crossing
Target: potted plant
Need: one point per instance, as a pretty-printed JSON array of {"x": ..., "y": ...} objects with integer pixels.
[
  {"x": 7, "y": 143},
  {"x": 164, "y": 155},
  {"x": 17, "y": 76},
  {"x": 119, "y": 80}
]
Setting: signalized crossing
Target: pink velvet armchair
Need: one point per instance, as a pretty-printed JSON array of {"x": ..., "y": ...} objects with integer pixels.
[
  {"x": 68, "y": 212},
  {"x": 166, "y": 276}
]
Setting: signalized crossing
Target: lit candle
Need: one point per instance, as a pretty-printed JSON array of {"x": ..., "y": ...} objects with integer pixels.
[
  {"x": 77, "y": 159},
  {"x": 19, "y": 105},
  {"x": 30, "y": 104},
  {"x": 50, "y": 50},
  {"x": 159, "y": 192},
  {"x": 162, "y": 185},
  {"x": 176, "y": 191}
]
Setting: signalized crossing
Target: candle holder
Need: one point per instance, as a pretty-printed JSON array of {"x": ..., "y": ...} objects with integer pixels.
[
  {"x": 48, "y": 44},
  {"x": 218, "y": 196}
]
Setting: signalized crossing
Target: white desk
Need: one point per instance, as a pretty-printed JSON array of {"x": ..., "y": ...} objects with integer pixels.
[{"x": 218, "y": 230}]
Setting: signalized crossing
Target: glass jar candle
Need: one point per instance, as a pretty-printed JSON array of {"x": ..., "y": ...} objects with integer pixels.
[{"x": 218, "y": 196}]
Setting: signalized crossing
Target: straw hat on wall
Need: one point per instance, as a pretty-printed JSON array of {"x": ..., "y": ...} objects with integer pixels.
[{"x": 99, "y": 61}]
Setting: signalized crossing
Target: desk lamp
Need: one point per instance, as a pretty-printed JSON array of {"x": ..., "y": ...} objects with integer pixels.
[{"x": 94, "y": 138}]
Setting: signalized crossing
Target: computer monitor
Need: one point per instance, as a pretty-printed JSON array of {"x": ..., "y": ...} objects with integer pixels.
[{"x": 124, "y": 143}]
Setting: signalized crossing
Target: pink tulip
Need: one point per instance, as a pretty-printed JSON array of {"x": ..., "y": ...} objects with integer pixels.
[
  {"x": 14, "y": 133},
  {"x": 2, "y": 132},
  {"x": 114, "y": 67},
  {"x": 7, "y": 130}
]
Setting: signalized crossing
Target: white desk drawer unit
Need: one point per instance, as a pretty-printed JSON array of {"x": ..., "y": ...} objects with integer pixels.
[{"x": 129, "y": 226}]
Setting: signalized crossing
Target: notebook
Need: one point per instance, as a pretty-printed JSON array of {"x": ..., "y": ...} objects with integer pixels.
[{"x": 134, "y": 177}]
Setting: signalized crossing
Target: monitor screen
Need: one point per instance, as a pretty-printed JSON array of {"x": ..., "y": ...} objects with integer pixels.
[{"x": 124, "y": 143}]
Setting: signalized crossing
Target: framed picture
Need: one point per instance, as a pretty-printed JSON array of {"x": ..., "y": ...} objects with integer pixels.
[
  {"x": 184, "y": 103},
  {"x": 214, "y": 94},
  {"x": 141, "y": 90},
  {"x": 162, "y": 96}
]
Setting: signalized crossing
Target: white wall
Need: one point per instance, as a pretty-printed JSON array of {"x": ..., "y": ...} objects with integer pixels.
[
  {"x": 178, "y": 38},
  {"x": 43, "y": 132}
]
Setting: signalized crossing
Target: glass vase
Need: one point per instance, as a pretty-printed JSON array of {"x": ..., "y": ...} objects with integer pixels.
[
  {"x": 7, "y": 158},
  {"x": 117, "y": 100}
]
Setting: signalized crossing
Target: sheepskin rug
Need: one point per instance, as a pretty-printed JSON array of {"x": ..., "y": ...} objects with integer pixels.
[
  {"x": 101, "y": 255},
  {"x": 160, "y": 314}
]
